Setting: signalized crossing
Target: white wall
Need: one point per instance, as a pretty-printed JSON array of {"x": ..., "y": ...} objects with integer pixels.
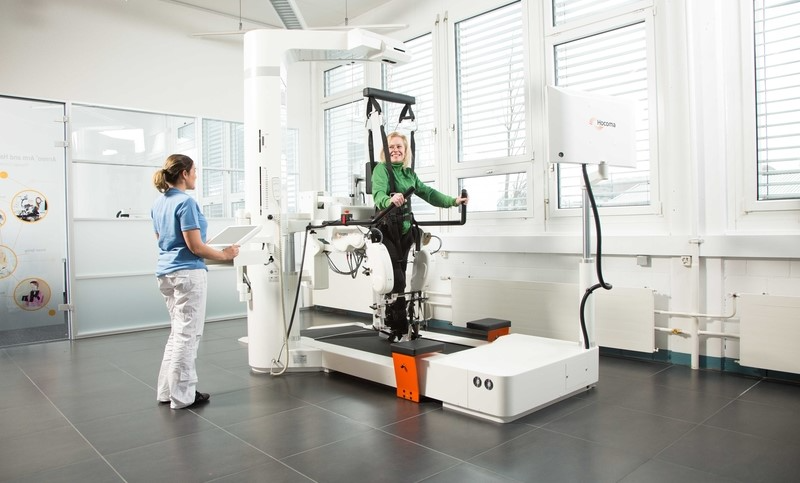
[{"x": 132, "y": 54}]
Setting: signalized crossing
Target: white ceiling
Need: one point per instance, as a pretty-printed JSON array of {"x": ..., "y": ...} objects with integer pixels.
[{"x": 259, "y": 13}]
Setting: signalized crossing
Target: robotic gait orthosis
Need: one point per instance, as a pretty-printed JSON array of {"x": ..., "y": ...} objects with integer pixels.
[{"x": 362, "y": 241}]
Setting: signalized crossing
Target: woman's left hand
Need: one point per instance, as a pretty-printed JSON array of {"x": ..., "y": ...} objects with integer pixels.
[{"x": 461, "y": 200}]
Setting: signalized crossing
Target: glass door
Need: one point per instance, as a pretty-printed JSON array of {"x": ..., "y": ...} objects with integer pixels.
[{"x": 33, "y": 227}]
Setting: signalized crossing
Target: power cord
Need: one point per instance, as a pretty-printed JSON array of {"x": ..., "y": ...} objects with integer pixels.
[{"x": 601, "y": 283}]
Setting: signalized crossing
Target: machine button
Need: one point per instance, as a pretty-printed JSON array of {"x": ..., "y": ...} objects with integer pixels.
[
  {"x": 476, "y": 381},
  {"x": 488, "y": 384}
]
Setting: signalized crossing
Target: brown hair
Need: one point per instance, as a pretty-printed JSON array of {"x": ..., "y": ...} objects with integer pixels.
[
  {"x": 171, "y": 172},
  {"x": 407, "y": 158}
]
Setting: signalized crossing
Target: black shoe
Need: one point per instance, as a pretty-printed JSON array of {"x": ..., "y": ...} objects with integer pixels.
[{"x": 200, "y": 398}]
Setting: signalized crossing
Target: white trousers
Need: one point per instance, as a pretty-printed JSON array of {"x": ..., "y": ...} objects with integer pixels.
[{"x": 184, "y": 292}]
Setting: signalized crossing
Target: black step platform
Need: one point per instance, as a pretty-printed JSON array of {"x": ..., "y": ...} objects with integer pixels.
[{"x": 368, "y": 340}]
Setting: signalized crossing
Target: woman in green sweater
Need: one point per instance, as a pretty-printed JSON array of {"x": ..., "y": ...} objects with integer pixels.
[{"x": 398, "y": 233}]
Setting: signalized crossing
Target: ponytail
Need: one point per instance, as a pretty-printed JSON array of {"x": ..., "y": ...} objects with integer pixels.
[{"x": 168, "y": 176}]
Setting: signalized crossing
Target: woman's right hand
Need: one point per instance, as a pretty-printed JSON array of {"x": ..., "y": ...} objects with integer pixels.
[
  {"x": 231, "y": 252},
  {"x": 398, "y": 199}
]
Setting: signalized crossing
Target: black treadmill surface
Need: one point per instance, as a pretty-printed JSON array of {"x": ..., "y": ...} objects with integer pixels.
[{"x": 367, "y": 340}]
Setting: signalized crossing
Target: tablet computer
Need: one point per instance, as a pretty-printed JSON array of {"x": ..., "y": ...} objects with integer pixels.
[{"x": 233, "y": 235}]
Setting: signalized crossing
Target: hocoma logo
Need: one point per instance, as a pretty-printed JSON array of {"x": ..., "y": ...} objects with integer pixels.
[{"x": 600, "y": 124}]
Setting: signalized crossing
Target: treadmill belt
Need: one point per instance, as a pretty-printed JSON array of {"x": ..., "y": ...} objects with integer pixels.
[{"x": 359, "y": 338}]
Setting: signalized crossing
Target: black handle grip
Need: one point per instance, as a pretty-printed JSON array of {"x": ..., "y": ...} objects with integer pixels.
[
  {"x": 463, "y": 207},
  {"x": 391, "y": 207},
  {"x": 462, "y": 221}
]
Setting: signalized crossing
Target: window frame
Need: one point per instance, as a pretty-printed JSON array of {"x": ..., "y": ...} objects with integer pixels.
[
  {"x": 749, "y": 139},
  {"x": 338, "y": 99},
  {"x": 587, "y": 27},
  {"x": 458, "y": 169}
]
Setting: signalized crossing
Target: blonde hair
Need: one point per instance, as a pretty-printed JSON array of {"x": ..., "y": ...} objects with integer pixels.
[
  {"x": 407, "y": 157},
  {"x": 171, "y": 172}
]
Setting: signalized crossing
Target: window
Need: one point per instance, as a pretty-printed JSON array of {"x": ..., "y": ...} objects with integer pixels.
[
  {"x": 565, "y": 11},
  {"x": 343, "y": 78},
  {"x": 611, "y": 62},
  {"x": 222, "y": 175},
  {"x": 497, "y": 192},
  {"x": 490, "y": 85},
  {"x": 345, "y": 147},
  {"x": 777, "y": 66},
  {"x": 115, "y": 153},
  {"x": 415, "y": 79}
]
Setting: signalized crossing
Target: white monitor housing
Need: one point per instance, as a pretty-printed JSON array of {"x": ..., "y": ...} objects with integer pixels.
[{"x": 589, "y": 128}]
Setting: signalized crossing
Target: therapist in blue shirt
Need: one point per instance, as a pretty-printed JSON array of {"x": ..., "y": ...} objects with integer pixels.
[{"x": 182, "y": 278}]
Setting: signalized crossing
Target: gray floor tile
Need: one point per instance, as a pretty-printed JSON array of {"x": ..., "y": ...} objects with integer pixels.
[
  {"x": 556, "y": 410},
  {"x": 369, "y": 455},
  {"x": 317, "y": 388},
  {"x": 246, "y": 404},
  {"x": 200, "y": 456},
  {"x": 106, "y": 402},
  {"x": 377, "y": 405},
  {"x": 466, "y": 472},
  {"x": 706, "y": 381},
  {"x": 543, "y": 455},
  {"x": 155, "y": 424},
  {"x": 782, "y": 424},
  {"x": 655, "y": 471},
  {"x": 272, "y": 472},
  {"x": 619, "y": 367},
  {"x": 645, "y": 396},
  {"x": 780, "y": 394},
  {"x": 30, "y": 418},
  {"x": 622, "y": 428},
  {"x": 735, "y": 455},
  {"x": 24, "y": 455},
  {"x": 306, "y": 428},
  {"x": 95, "y": 470},
  {"x": 455, "y": 435},
  {"x": 20, "y": 394}
]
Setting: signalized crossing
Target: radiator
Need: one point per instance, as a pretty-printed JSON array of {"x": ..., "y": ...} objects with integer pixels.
[
  {"x": 769, "y": 332},
  {"x": 624, "y": 317}
]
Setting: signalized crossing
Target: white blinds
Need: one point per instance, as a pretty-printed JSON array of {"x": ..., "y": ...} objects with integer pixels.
[
  {"x": 610, "y": 63},
  {"x": 777, "y": 60},
  {"x": 345, "y": 146},
  {"x": 415, "y": 79},
  {"x": 570, "y": 10},
  {"x": 343, "y": 78},
  {"x": 490, "y": 85}
]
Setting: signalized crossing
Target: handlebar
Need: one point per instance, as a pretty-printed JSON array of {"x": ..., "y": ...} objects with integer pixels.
[
  {"x": 381, "y": 214},
  {"x": 462, "y": 221}
]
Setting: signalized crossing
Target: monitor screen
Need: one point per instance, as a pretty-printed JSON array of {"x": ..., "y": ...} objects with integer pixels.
[
  {"x": 233, "y": 235},
  {"x": 589, "y": 128}
]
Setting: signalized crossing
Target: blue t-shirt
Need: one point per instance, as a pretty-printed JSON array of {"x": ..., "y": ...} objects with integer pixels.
[{"x": 174, "y": 213}]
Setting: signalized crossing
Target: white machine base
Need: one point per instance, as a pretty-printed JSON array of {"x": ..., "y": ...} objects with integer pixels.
[{"x": 500, "y": 381}]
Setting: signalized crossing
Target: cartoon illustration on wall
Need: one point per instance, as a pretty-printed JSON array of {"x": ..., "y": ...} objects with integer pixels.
[
  {"x": 8, "y": 261},
  {"x": 30, "y": 206},
  {"x": 32, "y": 294}
]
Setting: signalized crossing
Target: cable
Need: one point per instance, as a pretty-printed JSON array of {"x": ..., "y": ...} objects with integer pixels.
[
  {"x": 279, "y": 262},
  {"x": 440, "y": 244},
  {"x": 602, "y": 283}
]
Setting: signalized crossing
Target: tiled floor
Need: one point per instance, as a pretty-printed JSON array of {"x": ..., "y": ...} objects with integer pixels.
[{"x": 85, "y": 411}]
